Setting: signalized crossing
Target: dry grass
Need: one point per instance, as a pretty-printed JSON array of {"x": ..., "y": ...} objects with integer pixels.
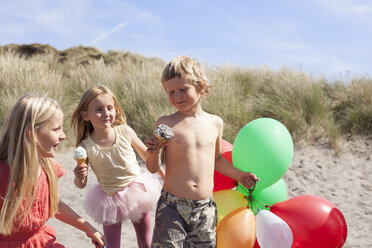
[{"x": 311, "y": 108}]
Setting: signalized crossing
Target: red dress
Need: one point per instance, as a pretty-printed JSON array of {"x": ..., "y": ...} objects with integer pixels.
[{"x": 33, "y": 233}]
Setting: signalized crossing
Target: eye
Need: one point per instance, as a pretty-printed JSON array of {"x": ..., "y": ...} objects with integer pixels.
[{"x": 57, "y": 128}]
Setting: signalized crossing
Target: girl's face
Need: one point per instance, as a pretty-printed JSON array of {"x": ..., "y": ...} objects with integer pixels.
[
  {"x": 182, "y": 94},
  {"x": 50, "y": 134},
  {"x": 101, "y": 112}
]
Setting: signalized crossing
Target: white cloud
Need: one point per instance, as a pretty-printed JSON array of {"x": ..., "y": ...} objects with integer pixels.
[
  {"x": 104, "y": 35},
  {"x": 352, "y": 8}
]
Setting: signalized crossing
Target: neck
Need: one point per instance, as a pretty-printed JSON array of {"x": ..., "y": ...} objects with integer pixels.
[
  {"x": 193, "y": 112},
  {"x": 104, "y": 137}
]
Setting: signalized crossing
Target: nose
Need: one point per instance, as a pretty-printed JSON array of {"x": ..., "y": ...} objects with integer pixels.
[
  {"x": 177, "y": 93},
  {"x": 62, "y": 136},
  {"x": 105, "y": 112}
]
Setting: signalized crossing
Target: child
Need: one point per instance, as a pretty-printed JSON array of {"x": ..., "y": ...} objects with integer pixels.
[
  {"x": 28, "y": 176},
  {"x": 186, "y": 214},
  {"x": 123, "y": 191}
]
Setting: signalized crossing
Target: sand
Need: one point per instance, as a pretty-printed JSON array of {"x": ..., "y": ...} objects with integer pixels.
[{"x": 345, "y": 180}]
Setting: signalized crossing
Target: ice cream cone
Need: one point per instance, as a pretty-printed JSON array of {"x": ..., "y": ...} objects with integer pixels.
[
  {"x": 163, "y": 133},
  {"x": 80, "y": 161}
]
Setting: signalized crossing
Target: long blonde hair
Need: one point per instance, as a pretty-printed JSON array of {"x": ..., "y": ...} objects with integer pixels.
[
  {"x": 83, "y": 128},
  {"x": 18, "y": 146}
]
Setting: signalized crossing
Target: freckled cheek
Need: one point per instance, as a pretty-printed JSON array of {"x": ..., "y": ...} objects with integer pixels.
[{"x": 171, "y": 99}]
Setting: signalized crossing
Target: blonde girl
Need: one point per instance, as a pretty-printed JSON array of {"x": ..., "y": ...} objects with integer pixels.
[
  {"x": 28, "y": 176},
  {"x": 123, "y": 191}
]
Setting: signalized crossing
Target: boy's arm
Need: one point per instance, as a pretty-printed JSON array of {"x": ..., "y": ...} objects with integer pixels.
[
  {"x": 154, "y": 155},
  {"x": 69, "y": 216},
  {"x": 155, "y": 152},
  {"x": 247, "y": 179},
  {"x": 224, "y": 167}
]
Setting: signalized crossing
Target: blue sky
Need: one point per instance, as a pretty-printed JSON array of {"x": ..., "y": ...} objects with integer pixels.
[{"x": 331, "y": 38}]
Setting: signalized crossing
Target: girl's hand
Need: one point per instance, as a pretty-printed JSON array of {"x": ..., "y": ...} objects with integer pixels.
[
  {"x": 81, "y": 171},
  {"x": 97, "y": 238}
]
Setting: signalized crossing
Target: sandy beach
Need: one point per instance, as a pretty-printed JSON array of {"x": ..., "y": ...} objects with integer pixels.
[{"x": 345, "y": 180}]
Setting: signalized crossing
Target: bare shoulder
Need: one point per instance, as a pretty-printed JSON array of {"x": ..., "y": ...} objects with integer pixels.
[
  {"x": 215, "y": 119},
  {"x": 167, "y": 119}
]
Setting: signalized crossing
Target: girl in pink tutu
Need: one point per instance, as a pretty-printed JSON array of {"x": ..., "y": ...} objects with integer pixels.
[
  {"x": 123, "y": 191},
  {"x": 28, "y": 177}
]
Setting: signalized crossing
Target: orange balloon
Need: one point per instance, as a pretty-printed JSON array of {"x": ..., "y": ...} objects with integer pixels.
[
  {"x": 228, "y": 200},
  {"x": 237, "y": 229}
]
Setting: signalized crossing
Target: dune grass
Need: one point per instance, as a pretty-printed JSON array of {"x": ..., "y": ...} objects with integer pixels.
[{"x": 311, "y": 108}]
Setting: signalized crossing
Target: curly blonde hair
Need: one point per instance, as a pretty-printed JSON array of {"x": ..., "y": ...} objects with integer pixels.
[{"x": 189, "y": 69}]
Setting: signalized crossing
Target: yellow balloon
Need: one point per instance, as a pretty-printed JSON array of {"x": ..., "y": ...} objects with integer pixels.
[
  {"x": 228, "y": 200},
  {"x": 237, "y": 229}
]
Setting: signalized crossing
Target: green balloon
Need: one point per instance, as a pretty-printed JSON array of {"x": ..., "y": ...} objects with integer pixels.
[
  {"x": 264, "y": 147},
  {"x": 268, "y": 196}
]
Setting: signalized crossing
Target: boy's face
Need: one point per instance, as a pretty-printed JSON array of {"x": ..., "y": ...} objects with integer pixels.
[{"x": 182, "y": 94}]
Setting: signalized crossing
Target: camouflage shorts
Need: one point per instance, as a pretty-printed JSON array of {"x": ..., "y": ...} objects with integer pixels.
[{"x": 181, "y": 222}]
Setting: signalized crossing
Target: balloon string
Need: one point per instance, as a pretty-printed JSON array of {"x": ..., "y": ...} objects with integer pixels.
[{"x": 250, "y": 199}]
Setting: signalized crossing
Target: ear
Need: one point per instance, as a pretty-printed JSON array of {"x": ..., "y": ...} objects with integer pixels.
[
  {"x": 28, "y": 133},
  {"x": 202, "y": 89},
  {"x": 84, "y": 115}
]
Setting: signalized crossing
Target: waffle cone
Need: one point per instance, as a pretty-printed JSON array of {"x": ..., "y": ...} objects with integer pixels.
[
  {"x": 161, "y": 141},
  {"x": 158, "y": 137},
  {"x": 80, "y": 161}
]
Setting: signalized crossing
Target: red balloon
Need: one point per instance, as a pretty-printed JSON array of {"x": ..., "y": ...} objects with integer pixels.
[
  {"x": 222, "y": 182},
  {"x": 256, "y": 245},
  {"x": 225, "y": 146},
  {"x": 315, "y": 222}
]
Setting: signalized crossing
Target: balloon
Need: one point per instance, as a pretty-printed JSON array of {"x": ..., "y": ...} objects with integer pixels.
[
  {"x": 227, "y": 201},
  {"x": 272, "y": 231},
  {"x": 264, "y": 147},
  {"x": 225, "y": 146},
  {"x": 270, "y": 195},
  {"x": 256, "y": 245},
  {"x": 315, "y": 222},
  {"x": 221, "y": 181},
  {"x": 237, "y": 229}
]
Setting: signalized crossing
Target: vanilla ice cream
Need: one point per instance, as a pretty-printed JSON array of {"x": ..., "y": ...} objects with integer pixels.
[{"x": 80, "y": 155}]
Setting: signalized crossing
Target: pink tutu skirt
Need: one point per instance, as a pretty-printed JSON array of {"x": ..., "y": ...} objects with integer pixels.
[{"x": 130, "y": 203}]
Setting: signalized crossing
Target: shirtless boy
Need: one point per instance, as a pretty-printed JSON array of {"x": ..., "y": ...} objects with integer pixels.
[{"x": 186, "y": 215}]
